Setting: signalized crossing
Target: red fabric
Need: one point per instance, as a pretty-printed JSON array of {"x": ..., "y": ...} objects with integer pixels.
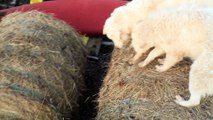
[{"x": 86, "y": 16}]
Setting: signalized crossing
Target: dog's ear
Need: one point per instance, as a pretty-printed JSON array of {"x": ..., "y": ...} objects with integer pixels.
[{"x": 2, "y": 14}]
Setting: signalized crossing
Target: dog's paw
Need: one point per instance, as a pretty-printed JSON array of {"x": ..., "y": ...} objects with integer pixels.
[
  {"x": 131, "y": 61},
  {"x": 161, "y": 61},
  {"x": 186, "y": 103},
  {"x": 118, "y": 45},
  {"x": 141, "y": 64},
  {"x": 160, "y": 68},
  {"x": 179, "y": 99}
]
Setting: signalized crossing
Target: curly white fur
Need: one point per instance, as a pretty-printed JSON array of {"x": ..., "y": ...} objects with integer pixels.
[
  {"x": 118, "y": 27},
  {"x": 177, "y": 32}
]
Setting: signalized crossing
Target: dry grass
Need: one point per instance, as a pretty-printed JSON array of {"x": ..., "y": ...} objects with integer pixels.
[
  {"x": 41, "y": 67},
  {"x": 133, "y": 93}
]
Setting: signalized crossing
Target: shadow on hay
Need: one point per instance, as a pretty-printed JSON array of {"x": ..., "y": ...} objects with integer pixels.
[{"x": 95, "y": 73}]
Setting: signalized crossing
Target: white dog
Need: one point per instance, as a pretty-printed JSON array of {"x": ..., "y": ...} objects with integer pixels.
[
  {"x": 118, "y": 27},
  {"x": 200, "y": 78},
  {"x": 178, "y": 32}
]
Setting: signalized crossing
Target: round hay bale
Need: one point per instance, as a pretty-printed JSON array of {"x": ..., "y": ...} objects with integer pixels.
[
  {"x": 41, "y": 67},
  {"x": 132, "y": 93}
]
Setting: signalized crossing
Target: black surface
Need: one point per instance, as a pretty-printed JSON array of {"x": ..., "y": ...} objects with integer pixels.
[{"x": 95, "y": 73}]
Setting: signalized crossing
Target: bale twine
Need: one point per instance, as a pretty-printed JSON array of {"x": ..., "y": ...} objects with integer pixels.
[
  {"x": 132, "y": 93},
  {"x": 41, "y": 67}
]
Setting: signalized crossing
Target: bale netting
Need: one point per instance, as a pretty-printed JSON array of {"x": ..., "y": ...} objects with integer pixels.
[
  {"x": 42, "y": 63},
  {"x": 132, "y": 93}
]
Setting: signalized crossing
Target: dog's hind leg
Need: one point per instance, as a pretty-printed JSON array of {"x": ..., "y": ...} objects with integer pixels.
[
  {"x": 171, "y": 59},
  {"x": 193, "y": 101}
]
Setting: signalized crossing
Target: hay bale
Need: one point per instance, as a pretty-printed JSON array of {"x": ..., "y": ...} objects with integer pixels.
[
  {"x": 132, "y": 93},
  {"x": 41, "y": 67}
]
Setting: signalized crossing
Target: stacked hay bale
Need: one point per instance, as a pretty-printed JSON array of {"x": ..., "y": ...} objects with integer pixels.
[
  {"x": 41, "y": 67},
  {"x": 133, "y": 93}
]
